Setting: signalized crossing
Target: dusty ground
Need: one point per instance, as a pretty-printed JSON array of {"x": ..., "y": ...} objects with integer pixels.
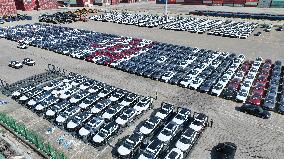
[
  {"x": 255, "y": 138},
  {"x": 13, "y": 147}
]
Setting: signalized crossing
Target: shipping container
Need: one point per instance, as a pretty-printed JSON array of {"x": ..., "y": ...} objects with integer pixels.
[
  {"x": 238, "y": 5},
  {"x": 251, "y": 3},
  {"x": 217, "y": 2},
  {"x": 47, "y": 4},
  {"x": 228, "y": 4},
  {"x": 164, "y": 1},
  {"x": 264, "y": 3},
  {"x": 193, "y": 2},
  {"x": 277, "y": 3},
  {"x": 207, "y": 2},
  {"x": 179, "y": 1},
  {"x": 240, "y": 2},
  {"x": 7, "y": 7}
]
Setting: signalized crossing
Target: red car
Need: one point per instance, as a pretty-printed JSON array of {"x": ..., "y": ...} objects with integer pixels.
[
  {"x": 262, "y": 79},
  {"x": 235, "y": 84},
  {"x": 255, "y": 99},
  {"x": 259, "y": 89},
  {"x": 268, "y": 61}
]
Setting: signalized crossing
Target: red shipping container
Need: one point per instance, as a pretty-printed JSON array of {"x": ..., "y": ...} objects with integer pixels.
[
  {"x": 193, "y": 2},
  {"x": 7, "y": 7},
  {"x": 47, "y": 4},
  {"x": 251, "y": 0},
  {"x": 114, "y": 2},
  {"x": 239, "y": 1},
  {"x": 218, "y": 1}
]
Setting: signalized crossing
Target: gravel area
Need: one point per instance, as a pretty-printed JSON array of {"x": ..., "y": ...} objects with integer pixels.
[{"x": 255, "y": 137}]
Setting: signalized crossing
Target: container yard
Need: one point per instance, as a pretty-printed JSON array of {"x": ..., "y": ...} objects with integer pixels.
[{"x": 125, "y": 79}]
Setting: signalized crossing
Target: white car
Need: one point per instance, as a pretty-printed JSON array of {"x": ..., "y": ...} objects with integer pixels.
[
  {"x": 112, "y": 112},
  {"x": 126, "y": 117},
  {"x": 187, "y": 140},
  {"x": 149, "y": 126},
  {"x": 15, "y": 64},
  {"x": 167, "y": 76},
  {"x": 152, "y": 150},
  {"x": 91, "y": 127},
  {"x": 143, "y": 104},
  {"x": 91, "y": 99},
  {"x": 105, "y": 133},
  {"x": 182, "y": 116},
  {"x": 129, "y": 145},
  {"x": 168, "y": 132},
  {"x": 165, "y": 111},
  {"x": 242, "y": 95},
  {"x": 22, "y": 46}
]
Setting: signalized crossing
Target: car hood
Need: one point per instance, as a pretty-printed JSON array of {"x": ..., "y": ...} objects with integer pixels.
[
  {"x": 23, "y": 98},
  {"x": 160, "y": 115},
  {"x": 16, "y": 93},
  {"x": 182, "y": 146},
  {"x": 50, "y": 113},
  {"x": 163, "y": 137},
  {"x": 195, "y": 127},
  {"x": 39, "y": 107},
  {"x": 71, "y": 125},
  {"x": 145, "y": 130},
  {"x": 120, "y": 121},
  {"x": 98, "y": 139},
  {"x": 84, "y": 132},
  {"x": 60, "y": 119},
  {"x": 123, "y": 151},
  {"x": 83, "y": 105},
  {"x": 32, "y": 102}
]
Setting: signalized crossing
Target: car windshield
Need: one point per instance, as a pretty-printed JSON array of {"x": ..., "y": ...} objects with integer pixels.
[
  {"x": 88, "y": 101},
  {"x": 148, "y": 154},
  {"x": 99, "y": 105},
  {"x": 173, "y": 154},
  {"x": 198, "y": 123},
  {"x": 128, "y": 145},
  {"x": 102, "y": 133},
  {"x": 111, "y": 111},
  {"x": 148, "y": 125}
]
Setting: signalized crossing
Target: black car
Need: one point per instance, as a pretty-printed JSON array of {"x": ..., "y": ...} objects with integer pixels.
[
  {"x": 225, "y": 150},
  {"x": 255, "y": 110},
  {"x": 257, "y": 34}
]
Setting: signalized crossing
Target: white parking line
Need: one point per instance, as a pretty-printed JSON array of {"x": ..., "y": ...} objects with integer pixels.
[
  {"x": 78, "y": 152},
  {"x": 101, "y": 152}
]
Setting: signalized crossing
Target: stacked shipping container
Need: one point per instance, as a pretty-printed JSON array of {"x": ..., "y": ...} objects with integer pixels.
[
  {"x": 277, "y": 3},
  {"x": 47, "y": 4},
  {"x": 193, "y": 2},
  {"x": 169, "y": 1},
  {"x": 208, "y": 2},
  {"x": 264, "y": 3},
  {"x": 217, "y": 2},
  {"x": 251, "y": 3},
  {"x": 7, "y": 7},
  {"x": 26, "y": 5}
]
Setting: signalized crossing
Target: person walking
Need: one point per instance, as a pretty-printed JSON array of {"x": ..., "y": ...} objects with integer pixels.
[{"x": 211, "y": 123}]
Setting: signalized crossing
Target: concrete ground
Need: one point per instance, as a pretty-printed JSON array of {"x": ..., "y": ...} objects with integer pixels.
[{"x": 255, "y": 137}]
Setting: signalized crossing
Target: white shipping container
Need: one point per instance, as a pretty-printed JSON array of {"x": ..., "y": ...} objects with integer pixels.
[
  {"x": 264, "y": 3},
  {"x": 207, "y": 2},
  {"x": 179, "y": 1}
]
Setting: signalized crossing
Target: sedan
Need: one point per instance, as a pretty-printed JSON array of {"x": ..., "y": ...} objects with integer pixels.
[{"x": 255, "y": 110}]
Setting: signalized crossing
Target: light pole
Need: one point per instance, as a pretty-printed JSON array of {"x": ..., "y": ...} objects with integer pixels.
[{"x": 166, "y": 10}]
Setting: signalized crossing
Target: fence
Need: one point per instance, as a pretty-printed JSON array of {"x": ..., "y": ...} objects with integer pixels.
[{"x": 30, "y": 136}]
